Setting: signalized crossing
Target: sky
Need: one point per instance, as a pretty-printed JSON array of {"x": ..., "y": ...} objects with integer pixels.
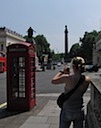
[{"x": 49, "y": 17}]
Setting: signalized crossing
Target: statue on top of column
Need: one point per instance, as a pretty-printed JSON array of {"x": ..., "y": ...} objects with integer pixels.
[{"x": 30, "y": 38}]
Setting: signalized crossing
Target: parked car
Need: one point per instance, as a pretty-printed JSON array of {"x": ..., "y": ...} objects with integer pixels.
[
  {"x": 59, "y": 64},
  {"x": 92, "y": 68}
]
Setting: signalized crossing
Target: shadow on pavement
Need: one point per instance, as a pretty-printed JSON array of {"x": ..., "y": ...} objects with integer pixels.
[{"x": 5, "y": 113}]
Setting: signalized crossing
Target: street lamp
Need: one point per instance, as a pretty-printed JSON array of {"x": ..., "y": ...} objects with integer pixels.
[{"x": 42, "y": 61}]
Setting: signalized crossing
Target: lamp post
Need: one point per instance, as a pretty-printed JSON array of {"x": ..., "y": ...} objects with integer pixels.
[
  {"x": 42, "y": 62},
  {"x": 49, "y": 60},
  {"x": 66, "y": 43}
]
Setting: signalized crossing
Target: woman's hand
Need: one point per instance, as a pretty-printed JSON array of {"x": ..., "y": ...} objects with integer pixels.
[{"x": 66, "y": 70}]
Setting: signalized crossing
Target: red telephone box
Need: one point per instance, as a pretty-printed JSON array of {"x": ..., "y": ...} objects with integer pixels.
[{"x": 21, "y": 76}]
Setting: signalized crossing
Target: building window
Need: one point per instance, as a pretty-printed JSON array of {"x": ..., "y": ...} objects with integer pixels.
[{"x": 2, "y": 47}]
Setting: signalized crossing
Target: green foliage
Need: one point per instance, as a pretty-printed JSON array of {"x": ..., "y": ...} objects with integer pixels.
[
  {"x": 41, "y": 45},
  {"x": 75, "y": 49},
  {"x": 85, "y": 47},
  {"x": 57, "y": 57},
  {"x": 87, "y": 43}
]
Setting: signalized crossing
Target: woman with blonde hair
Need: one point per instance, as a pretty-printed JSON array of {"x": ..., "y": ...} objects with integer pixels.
[{"x": 72, "y": 110}]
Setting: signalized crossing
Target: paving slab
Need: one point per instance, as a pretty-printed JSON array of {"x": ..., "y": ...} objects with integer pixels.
[
  {"x": 50, "y": 109},
  {"x": 29, "y": 125},
  {"x": 48, "y": 117},
  {"x": 37, "y": 119}
]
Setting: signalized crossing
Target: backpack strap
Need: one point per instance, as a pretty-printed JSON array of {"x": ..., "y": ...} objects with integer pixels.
[{"x": 68, "y": 94}]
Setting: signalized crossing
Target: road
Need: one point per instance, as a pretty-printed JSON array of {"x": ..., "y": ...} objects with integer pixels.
[
  {"x": 2, "y": 87},
  {"x": 43, "y": 83}
]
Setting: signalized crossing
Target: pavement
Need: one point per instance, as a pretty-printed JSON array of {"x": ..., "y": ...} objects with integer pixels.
[{"x": 44, "y": 115}]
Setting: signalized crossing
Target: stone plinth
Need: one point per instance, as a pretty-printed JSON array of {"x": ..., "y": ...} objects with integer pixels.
[{"x": 94, "y": 106}]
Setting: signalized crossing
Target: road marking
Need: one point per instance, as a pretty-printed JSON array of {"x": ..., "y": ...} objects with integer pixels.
[
  {"x": 3, "y": 105},
  {"x": 49, "y": 94}
]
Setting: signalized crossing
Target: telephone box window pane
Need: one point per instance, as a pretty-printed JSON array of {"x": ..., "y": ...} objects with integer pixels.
[
  {"x": 32, "y": 77},
  {"x": 22, "y": 77},
  {"x": 18, "y": 77},
  {"x": 15, "y": 77},
  {"x": 15, "y": 94},
  {"x": 21, "y": 94}
]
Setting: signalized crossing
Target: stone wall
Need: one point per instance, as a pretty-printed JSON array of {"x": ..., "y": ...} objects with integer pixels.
[{"x": 94, "y": 106}]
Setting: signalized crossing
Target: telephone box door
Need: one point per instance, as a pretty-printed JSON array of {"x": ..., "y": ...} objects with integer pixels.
[{"x": 20, "y": 77}]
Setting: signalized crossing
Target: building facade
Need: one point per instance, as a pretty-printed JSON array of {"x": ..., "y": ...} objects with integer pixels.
[
  {"x": 97, "y": 51},
  {"x": 8, "y": 37}
]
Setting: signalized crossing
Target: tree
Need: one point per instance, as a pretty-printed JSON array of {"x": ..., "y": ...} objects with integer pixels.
[
  {"x": 85, "y": 47},
  {"x": 42, "y": 46},
  {"x": 87, "y": 43},
  {"x": 75, "y": 50},
  {"x": 56, "y": 57}
]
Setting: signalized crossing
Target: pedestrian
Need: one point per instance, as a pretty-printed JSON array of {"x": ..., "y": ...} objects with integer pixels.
[{"x": 72, "y": 110}]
